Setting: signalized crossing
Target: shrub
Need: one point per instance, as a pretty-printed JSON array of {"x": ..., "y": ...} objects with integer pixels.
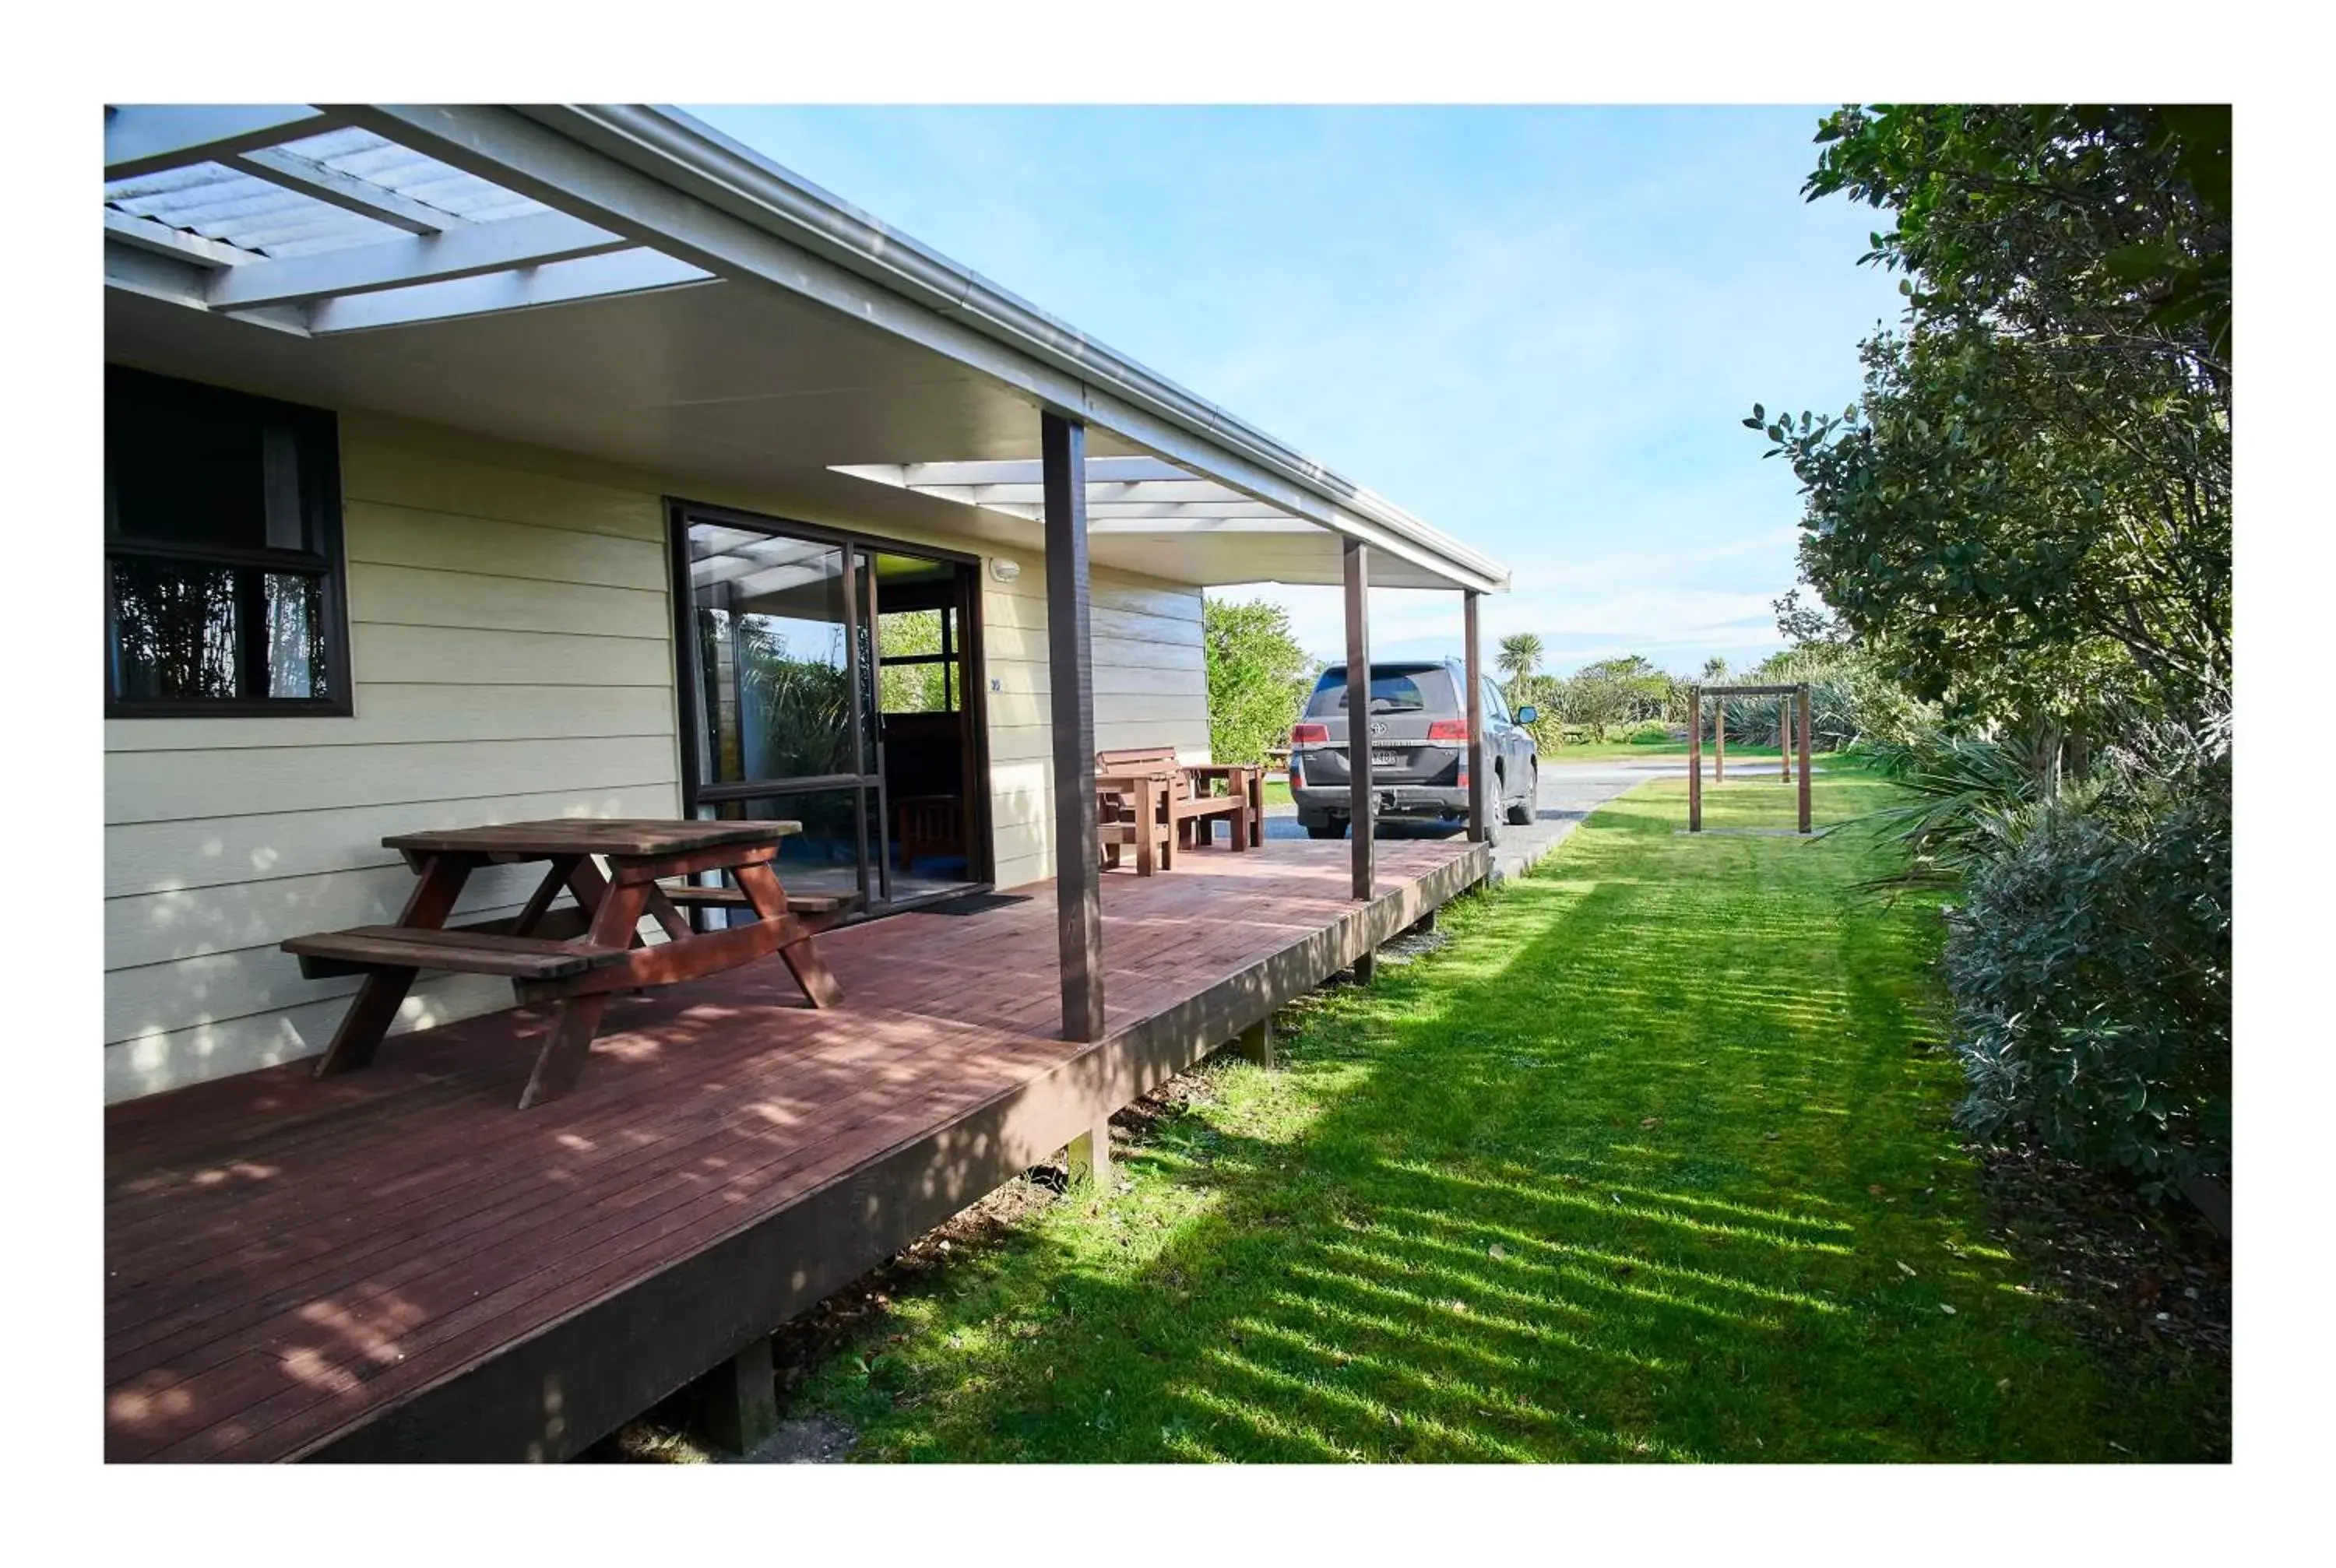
[
  {"x": 1649, "y": 732},
  {"x": 1258, "y": 677},
  {"x": 2090, "y": 967},
  {"x": 1964, "y": 791}
]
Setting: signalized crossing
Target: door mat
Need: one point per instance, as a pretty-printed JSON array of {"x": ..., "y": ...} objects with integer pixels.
[{"x": 973, "y": 904}]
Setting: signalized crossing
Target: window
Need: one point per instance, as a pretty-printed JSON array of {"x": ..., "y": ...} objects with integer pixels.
[
  {"x": 222, "y": 554},
  {"x": 1390, "y": 693},
  {"x": 1496, "y": 707}
]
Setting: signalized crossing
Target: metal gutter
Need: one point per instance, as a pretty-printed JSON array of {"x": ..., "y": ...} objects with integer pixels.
[{"x": 685, "y": 152}]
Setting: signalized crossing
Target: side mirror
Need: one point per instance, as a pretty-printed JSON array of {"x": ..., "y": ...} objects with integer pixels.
[{"x": 1527, "y": 714}]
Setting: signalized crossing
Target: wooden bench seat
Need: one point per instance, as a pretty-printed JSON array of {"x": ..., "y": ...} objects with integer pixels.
[
  {"x": 362, "y": 950},
  {"x": 1194, "y": 805},
  {"x": 811, "y": 906}
]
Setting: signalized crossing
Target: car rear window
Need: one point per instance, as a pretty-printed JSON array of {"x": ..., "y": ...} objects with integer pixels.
[{"x": 1393, "y": 691}]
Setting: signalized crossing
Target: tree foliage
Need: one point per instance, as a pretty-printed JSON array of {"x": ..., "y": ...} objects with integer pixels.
[
  {"x": 2027, "y": 521},
  {"x": 1258, "y": 677},
  {"x": 1520, "y": 659},
  {"x": 2027, "y": 517}
]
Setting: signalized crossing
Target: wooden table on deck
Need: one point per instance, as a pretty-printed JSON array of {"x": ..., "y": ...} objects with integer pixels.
[
  {"x": 1142, "y": 798},
  {"x": 577, "y": 974}
]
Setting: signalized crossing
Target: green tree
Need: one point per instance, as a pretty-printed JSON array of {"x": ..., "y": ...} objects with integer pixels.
[
  {"x": 1595, "y": 697},
  {"x": 2027, "y": 520},
  {"x": 1519, "y": 659},
  {"x": 1258, "y": 677}
]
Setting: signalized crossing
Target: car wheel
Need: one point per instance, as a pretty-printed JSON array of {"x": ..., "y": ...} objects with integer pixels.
[
  {"x": 1522, "y": 814},
  {"x": 1329, "y": 830}
]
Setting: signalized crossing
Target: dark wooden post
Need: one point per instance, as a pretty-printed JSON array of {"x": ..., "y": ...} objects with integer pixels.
[
  {"x": 1785, "y": 738},
  {"x": 1804, "y": 728},
  {"x": 738, "y": 1401},
  {"x": 1078, "y": 839},
  {"x": 1695, "y": 759},
  {"x": 1478, "y": 819},
  {"x": 1360, "y": 813}
]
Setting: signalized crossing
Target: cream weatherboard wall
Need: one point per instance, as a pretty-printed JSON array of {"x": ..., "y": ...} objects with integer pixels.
[{"x": 512, "y": 655}]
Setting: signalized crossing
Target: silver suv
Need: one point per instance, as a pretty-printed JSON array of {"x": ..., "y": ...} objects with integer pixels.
[{"x": 1419, "y": 730}]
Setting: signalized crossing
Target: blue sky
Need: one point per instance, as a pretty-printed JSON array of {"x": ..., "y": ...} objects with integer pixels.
[{"x": 1536, "y": 328}]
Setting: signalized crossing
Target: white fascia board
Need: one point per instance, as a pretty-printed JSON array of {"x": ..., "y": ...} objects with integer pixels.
[
  {"x": 666, "y": 182},
  {"x": 177, "y": 282}
]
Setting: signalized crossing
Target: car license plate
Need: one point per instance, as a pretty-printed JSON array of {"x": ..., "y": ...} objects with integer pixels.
[{"x": 1380, "y": 759}]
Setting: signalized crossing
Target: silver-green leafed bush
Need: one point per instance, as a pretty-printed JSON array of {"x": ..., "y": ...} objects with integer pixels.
[{"x": 2089, "y": 965}]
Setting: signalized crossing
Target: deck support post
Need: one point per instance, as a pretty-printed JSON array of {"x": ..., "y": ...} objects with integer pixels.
[
  {"x": 1361, "y": 810},
  {"x": 1802, "y": 704},
  {"x": 1079, "y": 838},
  {"x": 1090, "y": 1155},
  {"x": 1256, "y": 1042},
  {"x": 1366, "y": 964},
  {"x": 1695, "y": 759},
  {"x": 738, "y": 1407},
  {"x": 1478, "y": 819}
]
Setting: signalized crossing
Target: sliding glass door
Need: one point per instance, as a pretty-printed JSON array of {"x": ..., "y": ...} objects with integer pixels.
[{"x": 786, "y": 680}]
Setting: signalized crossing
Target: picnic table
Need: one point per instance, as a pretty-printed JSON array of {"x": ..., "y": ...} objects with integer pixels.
[
  {"x": 1131, "y": 810},
  {"x": 577, "y": 974},
  {"x": 1190, "y": 803}
]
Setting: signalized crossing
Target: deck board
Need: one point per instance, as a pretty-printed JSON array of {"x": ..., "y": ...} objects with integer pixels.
[{"x": 295, "y": 1265}]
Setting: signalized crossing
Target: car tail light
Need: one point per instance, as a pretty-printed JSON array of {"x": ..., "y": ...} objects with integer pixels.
[
  {"x": 1449, "y": 729},
  {"x": 1309, "y": 733},
  {"x": 1463, "y": 778},
  {"x": 1294, "y": 777}
]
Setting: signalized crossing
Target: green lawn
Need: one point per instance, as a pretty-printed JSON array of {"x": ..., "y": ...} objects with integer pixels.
[
  {"x": 1650, "y": 1161},
  {"x": 1618, "y": 750}
]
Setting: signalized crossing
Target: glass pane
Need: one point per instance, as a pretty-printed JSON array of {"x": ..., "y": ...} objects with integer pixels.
[
  {"x": 1389, "y": 694},
  {"x": 925, "y": 686},
  {"x": 182, "y": 470},
  {"x": 180, "y": 633},
  {"x": 775, "y": 682},
  {"x": 295, "y": 636},
  {"x": 174, "y": 632},
  {"x": 823, "y": 858}
]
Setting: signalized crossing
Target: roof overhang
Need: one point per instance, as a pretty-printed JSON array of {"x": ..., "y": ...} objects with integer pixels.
[{"x": 720, "y": 321}]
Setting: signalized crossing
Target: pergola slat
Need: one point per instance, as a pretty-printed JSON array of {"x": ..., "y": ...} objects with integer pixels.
[
  {"x": 363, "y": 197},
  {"x": 475, "y": 249},
  {"x": 144, "y": 138}
]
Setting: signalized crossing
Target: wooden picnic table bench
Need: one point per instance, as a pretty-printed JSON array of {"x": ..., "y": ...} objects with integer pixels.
[
  {"x": 577, "y": 974},
  {"x": 1191, "y": 804},
  {"x": 1129, "y": 812}
]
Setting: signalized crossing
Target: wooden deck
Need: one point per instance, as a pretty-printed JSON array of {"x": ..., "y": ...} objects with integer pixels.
[{"x": 396, "y": 1264}]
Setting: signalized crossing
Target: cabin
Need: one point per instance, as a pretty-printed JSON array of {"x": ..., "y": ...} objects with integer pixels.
[{"x": 484, "y": 465}]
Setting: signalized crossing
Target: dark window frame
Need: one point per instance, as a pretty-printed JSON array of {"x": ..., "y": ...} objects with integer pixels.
[
  {"x": 690, "y": 677},
  {"x": 315, "y": 436}
]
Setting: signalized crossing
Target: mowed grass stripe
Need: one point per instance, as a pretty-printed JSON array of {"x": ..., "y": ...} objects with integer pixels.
[{"x": 1652, "y": 1160}]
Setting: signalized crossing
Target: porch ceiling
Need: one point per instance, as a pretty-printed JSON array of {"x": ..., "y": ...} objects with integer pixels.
[{"x": 305, "y": 254}]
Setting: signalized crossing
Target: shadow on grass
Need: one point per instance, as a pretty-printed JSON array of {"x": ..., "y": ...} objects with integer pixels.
[{"x": 1649, "y": 1162}]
